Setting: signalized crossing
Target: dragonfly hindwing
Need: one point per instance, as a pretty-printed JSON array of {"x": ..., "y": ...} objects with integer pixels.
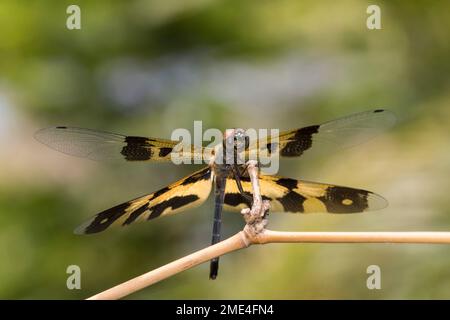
[
  {"x": 186, "y": 193},
  {"x": 297, "y": 196}
]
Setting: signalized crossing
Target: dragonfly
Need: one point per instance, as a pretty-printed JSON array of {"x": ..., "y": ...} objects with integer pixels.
[{"x": 232, "y": 186}]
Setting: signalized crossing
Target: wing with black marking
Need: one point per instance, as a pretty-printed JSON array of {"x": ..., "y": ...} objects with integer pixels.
[
  {"x": 99, "y": 145},
  {"x": 184, "y": 194},
  {"x": 297, "y": 196},
  {"x": 329, "y": 136}
]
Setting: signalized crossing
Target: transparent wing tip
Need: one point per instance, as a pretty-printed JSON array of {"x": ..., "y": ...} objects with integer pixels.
[
  {"x": 375, "y": 202},
  {"x": 389, "y": 117},
  {"x": 42, "y": 135},
  {"x": 81, "y": 229}
]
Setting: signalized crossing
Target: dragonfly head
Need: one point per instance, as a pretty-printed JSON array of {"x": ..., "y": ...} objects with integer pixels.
[
  {"x": 234, "y": 144},
  {"x": 236, "y": 138}
]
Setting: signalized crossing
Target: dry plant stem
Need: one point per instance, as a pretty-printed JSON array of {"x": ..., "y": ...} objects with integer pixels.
[
  {"x": 244, "y": 239},
  {"x": 255, "y": 233},
  {"x": 255, "y": 217},
  {"x": 233, "y": 243},
  {"x": 419, "y": 237}
]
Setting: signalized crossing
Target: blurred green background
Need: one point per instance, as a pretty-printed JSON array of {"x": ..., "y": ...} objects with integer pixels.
[{"x": 146, "y": 67}]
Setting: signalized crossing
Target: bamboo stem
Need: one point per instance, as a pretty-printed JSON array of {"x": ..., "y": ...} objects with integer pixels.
[
  {"x": 423, "y": 237},
  {"x": 243, "y": 239},
  {"x": 233, "y": 243}
]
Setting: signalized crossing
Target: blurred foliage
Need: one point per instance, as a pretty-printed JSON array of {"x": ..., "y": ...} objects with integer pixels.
[{"x": 146, "y": 67}]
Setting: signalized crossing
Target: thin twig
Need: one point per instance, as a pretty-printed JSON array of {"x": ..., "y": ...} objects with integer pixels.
[
  {"x": 255, "y": 233},
  {"x": 242, "y": 240},
  {"x": 233, "y": 243},
  {"x": 419, "y": 237}
]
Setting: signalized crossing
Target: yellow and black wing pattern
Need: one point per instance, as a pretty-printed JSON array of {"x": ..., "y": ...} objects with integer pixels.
[
  {"x": 100, "y": 145},
  {"x": 297, "y": 196},
  {"x": 329, "y": 136},
  {"x": 184, "y": 194}
]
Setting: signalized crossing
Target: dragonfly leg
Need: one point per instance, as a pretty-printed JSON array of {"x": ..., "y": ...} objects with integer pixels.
[{"x": 239, "y": 184}]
